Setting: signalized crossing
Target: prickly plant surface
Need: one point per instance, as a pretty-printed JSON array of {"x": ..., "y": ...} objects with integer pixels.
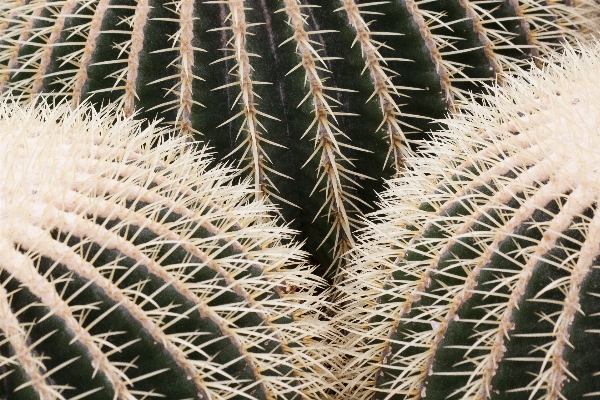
[
  {"x": 313, "y": 99},
  {"x": 130, "y": 270},
  {"x": 479, "y": 278}
]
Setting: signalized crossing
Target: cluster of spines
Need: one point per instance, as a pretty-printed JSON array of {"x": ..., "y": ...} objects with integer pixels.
[
  {"x": 99, "y": 227},
  {"x": 477, "y": 276}
]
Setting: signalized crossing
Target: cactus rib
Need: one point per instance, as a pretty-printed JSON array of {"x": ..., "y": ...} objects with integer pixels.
[
  {"x": 25, "y": 272},
  {"x": 251, "y": 125},
  {"x": 382, "y": 82},
  {"x": 133, "y": 47},
  {"x": 16, "y": 335},
  {"x": 331, "y": 168}
]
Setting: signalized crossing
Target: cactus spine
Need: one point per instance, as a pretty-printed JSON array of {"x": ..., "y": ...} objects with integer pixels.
[
  {"x": 130, "y": 270},
  {"x": 278, "y": 85},
  {"x": 479, "y": 276}
]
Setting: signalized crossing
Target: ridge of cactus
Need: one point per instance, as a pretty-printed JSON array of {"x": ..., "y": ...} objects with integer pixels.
[
  {"x": 478, "y": 277},
  {"x": 131, "y": 270},
  {"x": 316, "y": 101}
]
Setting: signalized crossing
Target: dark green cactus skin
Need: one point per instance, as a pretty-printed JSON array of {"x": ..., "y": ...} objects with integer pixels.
[
  {"x": 325, "y": 224},
  {"x": 458, "y": 358},
  {"x": 144, "y": 353}
]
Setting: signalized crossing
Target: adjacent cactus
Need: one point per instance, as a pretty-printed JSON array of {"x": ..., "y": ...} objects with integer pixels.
[
  {"x": 131, "y": 272},
  {"x": 278, "y": 85},
  {"x": 480, "y": 276}
]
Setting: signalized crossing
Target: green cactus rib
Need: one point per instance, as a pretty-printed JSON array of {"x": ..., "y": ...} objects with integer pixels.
[
  {"x": 131, "y": 270},
  {"x": 315, "y": 101},
  {"x": 478, "y": 278}
]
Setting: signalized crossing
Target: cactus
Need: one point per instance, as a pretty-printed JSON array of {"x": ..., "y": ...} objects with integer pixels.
[
  {"x": 129, "y": 270},
  {"x": 479, "y": 276},
  {"x": 278, "y": 85}
]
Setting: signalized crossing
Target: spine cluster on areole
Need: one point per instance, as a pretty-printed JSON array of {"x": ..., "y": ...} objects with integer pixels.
[
  {"x": 133, "y": 48},
  {"x": 16, "y": 335},
  {"x": 484, "y": 34},
  {"x": 66, "y": 10},
  {"x": 16, "y": 35},
  {"x": 535, "y": 20},
  {"x": 75, "y": 85},
  {"x": 435, "y": 44},
  {"x": 185, "y": 60}
]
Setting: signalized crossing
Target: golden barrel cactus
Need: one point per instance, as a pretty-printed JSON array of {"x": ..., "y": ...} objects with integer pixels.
[
  {"x": 480, "y": 276},
  {"x": 129, "y": 270},
  {"x": 315, "y": 100}
]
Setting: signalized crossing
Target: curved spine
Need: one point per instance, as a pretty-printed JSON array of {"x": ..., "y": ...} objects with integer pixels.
[{"x": 382, "y": 82}]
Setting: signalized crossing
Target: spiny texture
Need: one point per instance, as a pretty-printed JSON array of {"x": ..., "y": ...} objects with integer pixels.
[
  {"x": 313, "y": 99},
  {"x": 480, "y": 276},
  {"x": 129, "y": 270}
]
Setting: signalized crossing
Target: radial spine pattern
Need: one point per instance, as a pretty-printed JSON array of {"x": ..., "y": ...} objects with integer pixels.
[
  {"x": 316, "y": 101},
  {"x": 479, "y": 277},
  {"x": 130, "y": 270}
]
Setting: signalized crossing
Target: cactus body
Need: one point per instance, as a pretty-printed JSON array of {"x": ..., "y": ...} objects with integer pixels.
[
  {"x": 479, "y": 278},
  {"x": 313, "y": 99},
  {"x": 129, "y": 272}
]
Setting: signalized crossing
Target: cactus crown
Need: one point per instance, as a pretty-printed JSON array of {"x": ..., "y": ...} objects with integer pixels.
[
  {"x": 278, "y": 85},
  {"x": 479, "y": 276},
  {"x": 129, "y": 269}
]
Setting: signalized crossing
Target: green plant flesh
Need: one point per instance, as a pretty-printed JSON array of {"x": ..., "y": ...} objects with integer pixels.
[
  {"x": 129, "y": 272},
  {"x": 316, "y": 101}
]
